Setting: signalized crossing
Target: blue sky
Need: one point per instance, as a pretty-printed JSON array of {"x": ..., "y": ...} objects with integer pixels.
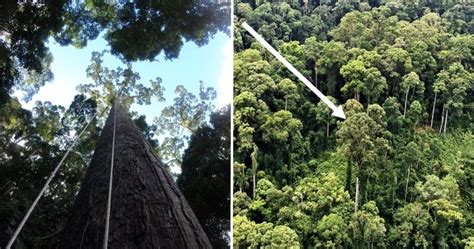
[{"x": 211, "y": 64}]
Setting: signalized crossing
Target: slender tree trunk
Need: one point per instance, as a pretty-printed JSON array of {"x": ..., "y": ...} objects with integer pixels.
[
  {"x": 253, "y": 189},
  {"x": 315, "y": 75},
  {"x": 406, "y": 184},
  {"x": 442, "y": 120},
  {"x": 433, "y": 111},
  {"x": 327, "y": 128},
  {"x": 446, "y": 120},
  {"x": 148, "y": 209},
  {"x": 286, "y": 102},
  {"x": 406, "y": 100},
  {"x": 356, "y": 203}
]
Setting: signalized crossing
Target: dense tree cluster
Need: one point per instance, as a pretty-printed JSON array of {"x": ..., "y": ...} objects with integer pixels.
[
  {"x": 32, "y": 144},
  {"x": 205, "y": 176},
  {"x": 397, "y": 172}
]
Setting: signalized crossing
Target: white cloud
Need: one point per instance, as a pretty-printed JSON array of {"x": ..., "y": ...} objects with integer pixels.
[{"x": 224, "y": 83}]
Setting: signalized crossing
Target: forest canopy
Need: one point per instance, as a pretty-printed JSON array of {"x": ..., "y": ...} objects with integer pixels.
[
  {"x": 163, "y": 27},
  {"x": 32, "y": 142},
  {"x": 398, "y": 172}
]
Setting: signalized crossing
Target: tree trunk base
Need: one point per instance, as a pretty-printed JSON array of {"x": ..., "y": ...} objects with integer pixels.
[{"x": 148, "y": 210}]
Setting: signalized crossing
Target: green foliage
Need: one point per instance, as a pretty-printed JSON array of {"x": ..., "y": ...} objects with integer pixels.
[
  {"x": 33, "y": 142},
  {"x": 413, "y": 227},
  {"x": 358, "y": 137},
  {"x": 367, "y": 227},
  {"x": 30, "y": 149},
  {"x": 24, "y": 57},
  {"x": 177, "y": 121},
  {"x": 384, "y": 177},
  {"x": 162, "y": 27},
  {"x": 248, "y": 234},
  {"x": 333, "y": 232},
  {"x": 280, "y": 237},
  {"x": 280, "y": 127},
  {"x": 110, "y": 84},
  {"x": 205, "y": 176}
]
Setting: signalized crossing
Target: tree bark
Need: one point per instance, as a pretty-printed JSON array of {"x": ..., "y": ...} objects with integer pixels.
[
  {"x": 148, "y": 210},
  {"x": 442, "y": 120},
  {"x": 253, "y": 189},
  {"x": 406, "y": 100},
  {"x": 446, "y": 120},
  {"x": 433, "y": 111}
]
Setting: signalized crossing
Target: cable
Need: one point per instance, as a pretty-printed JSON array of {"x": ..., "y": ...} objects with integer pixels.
[
  {"x": 30, "y": 210},
  {"x": 109, "y": 197}
]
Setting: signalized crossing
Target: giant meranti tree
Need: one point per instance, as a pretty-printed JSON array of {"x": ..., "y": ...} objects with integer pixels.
[{"x": 147, "y": 208}]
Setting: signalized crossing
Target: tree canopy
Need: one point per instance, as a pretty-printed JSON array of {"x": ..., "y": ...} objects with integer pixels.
[
  {"x": 32, "y": 142},
  {"x": 163, "y": 27}
]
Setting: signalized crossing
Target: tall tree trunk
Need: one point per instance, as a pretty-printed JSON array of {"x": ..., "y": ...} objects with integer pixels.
[
  {"x": 406, "y": 100},
  {"x": 148, "y": 209},
  {"x": 442, "y": 120},
  {"x": 253, "y": 188},
  {"x": 356, "y": 203},
  {"x": 286, "y": 102},
  {"x": 433, "y": 111},
  {"x": 446, "y": 120},
  {"x": 316, "y": 75},
  {"x": 327, "y": 128},
  {"x": 406, "y": 184}
]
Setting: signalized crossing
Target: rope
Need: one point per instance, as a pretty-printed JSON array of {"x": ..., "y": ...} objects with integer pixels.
[
  {"x": 109, "y": 197},
  {"x": 30, "y": 210}
]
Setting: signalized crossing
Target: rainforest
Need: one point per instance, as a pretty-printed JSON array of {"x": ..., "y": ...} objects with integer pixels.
[{"x": 398, "y": 172}]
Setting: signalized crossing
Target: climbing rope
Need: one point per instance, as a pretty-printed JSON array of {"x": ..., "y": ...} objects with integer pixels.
[
  {"x": 109, "y": 197},
  {"x": 30, "y": 210}
]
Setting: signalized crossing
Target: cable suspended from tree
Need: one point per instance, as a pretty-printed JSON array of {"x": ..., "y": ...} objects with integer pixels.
[
  {"x": 50, "y": 178},
  {"x": 109, "y": 196}
]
